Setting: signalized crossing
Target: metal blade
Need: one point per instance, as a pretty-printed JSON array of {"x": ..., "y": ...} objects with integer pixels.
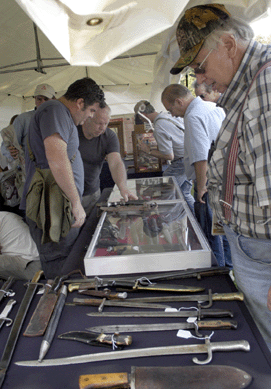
[
  {"x": 17, "y": 324},
  {"x": 202, "y": 313},
  {"x": 208, "y": 324},
  {"x": 241, "y": 345}
]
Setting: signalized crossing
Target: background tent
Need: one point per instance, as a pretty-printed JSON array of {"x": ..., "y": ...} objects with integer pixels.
[{"x": 128, "y": 69}]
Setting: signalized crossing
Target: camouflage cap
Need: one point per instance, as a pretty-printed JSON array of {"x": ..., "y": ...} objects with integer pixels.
[{"x": 194, "y": 27}]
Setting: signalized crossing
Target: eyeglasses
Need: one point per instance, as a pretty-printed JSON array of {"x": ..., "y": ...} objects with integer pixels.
[
  {"x": 198, "y": 69},
  {"x": 202, "y": 97}
]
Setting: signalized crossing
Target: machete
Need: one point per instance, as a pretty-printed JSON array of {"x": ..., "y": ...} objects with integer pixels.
[
  {"x": 43, "y": 311},
  {"x": 170, "y": 377},
  {"x": 206, "y": 348},
  {"x": 196, "y": 325},
  {"x": 17, "y": 325}
]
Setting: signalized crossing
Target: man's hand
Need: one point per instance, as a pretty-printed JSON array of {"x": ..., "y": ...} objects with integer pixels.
[
  {"x": 269, "y": 299},
  {"x": 79, "y": 215},
  {"x": 201, "y": 192},
  {"x": 13, "y": 152},
  {"x": 127, "y": 195}
]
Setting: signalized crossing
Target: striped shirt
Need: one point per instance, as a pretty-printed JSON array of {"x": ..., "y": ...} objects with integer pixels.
[{"x": 251, "y": 211}]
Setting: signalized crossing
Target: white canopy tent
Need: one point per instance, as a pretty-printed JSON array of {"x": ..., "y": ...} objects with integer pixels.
[{"x": 129, "y": 54}]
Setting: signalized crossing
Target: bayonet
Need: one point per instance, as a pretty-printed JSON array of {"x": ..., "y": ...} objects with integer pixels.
[
  {"x": 4, "y": 314},
  {"x": 17, "y": 324},
  {"x": 5, "y": 291},
  {"x": 206, "y": 348},
  {"x": 210, "y": 297},
  {"x": 196, "y": 326},
  {"x": 139, "y": 285},
  {"x": 115, "y": 303},
  {"x": 106, "y": 293},
  {"x": 198, "y": 312},
  {"x": 174, "y": 275}
]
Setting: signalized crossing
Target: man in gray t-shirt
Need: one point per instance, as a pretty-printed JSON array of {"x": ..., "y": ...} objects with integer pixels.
[
  {"x": 53, "y": 140},
  {"x": 97, "y": 142}
]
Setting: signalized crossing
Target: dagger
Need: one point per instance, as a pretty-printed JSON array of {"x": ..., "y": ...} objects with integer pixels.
[
  {"x": 206, "y": 348},
  {"x": 196, "y": 325}
]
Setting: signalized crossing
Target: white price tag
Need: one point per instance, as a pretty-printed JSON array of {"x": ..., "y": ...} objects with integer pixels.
[{"x": 184, "y": 334}]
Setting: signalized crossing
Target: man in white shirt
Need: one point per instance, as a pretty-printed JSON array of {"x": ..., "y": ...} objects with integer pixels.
[{"x": 19, "y": 256}]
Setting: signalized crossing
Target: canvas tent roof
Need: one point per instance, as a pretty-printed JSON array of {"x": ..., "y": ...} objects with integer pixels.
[{"x": 128, "y": 71}]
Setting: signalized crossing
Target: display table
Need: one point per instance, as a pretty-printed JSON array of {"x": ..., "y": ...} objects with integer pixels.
[{"x": 256, "y": 362}]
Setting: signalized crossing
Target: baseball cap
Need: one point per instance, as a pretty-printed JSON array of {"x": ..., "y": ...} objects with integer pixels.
[
  {"x": 194, "y": 27},
  {"x": 45, "y": 90}
]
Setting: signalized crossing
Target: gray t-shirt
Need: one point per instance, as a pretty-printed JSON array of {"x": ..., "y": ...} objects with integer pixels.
[
  {"x": 202, "y": 121},
  {"x": 50, "y": 118},
  {"x": 169, "y": 134},
  {"x": 93, "y": 152}
]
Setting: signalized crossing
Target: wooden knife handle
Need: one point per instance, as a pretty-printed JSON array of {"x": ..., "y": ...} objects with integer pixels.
[
  {"x": 217, "y": 324},
  {"x": 100, "y": 381}
]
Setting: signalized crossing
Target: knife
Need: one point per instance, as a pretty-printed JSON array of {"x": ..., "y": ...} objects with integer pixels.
[
  {"x": 170, "y": 377},
  {"x": 43, "y": 311}
]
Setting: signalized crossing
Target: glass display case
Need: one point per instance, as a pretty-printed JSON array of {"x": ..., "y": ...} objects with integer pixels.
[{"x": 156, "y": 233}]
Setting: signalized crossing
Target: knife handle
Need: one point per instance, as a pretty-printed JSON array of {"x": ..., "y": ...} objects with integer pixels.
[
  {"x": 228, "y": 296},
  {"x": 76, "y": 286},
  {"x": 102, "y": 381},
  {"x": 216, "y": 324}
]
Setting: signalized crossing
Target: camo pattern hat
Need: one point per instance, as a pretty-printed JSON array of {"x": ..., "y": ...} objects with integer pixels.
[{"x": 194, "y": 27}]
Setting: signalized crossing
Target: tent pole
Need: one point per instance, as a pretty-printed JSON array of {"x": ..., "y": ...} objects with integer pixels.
[{"x": 39, "y": 61}]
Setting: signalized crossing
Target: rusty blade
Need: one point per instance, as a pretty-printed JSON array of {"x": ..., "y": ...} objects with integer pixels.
[{"x": 43, "y": 311}]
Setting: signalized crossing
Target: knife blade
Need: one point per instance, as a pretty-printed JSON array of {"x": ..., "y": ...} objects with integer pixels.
[
  {"x": 4, "y": 314},
  {"x": 43, "y": 311},
  {"x": 135, "y": 286},
  {"x": 170, "y": 377},
  {"x": 196, "y": 325}
]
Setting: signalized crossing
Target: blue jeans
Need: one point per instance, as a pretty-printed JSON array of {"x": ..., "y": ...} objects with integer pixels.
[
  {"x": 218, "y": 243},
  {"x": 176, "y": 169},
  {"x": 252, "y": 270}
]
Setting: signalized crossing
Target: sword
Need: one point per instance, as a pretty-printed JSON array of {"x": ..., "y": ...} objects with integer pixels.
[
  {"x": 206, "y": 348},
  {"x": 17, "y": 324},
  {"x": 196, "y": 325},
  {"x": 200, "y": 298},
  {"x": 199, "y": 313}
]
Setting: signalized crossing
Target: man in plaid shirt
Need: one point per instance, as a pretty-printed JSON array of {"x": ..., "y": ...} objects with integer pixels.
[{"x": 221, "y": 51}]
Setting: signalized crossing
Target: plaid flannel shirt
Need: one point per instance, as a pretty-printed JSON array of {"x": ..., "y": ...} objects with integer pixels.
[{"x": 251, "y": 211}]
